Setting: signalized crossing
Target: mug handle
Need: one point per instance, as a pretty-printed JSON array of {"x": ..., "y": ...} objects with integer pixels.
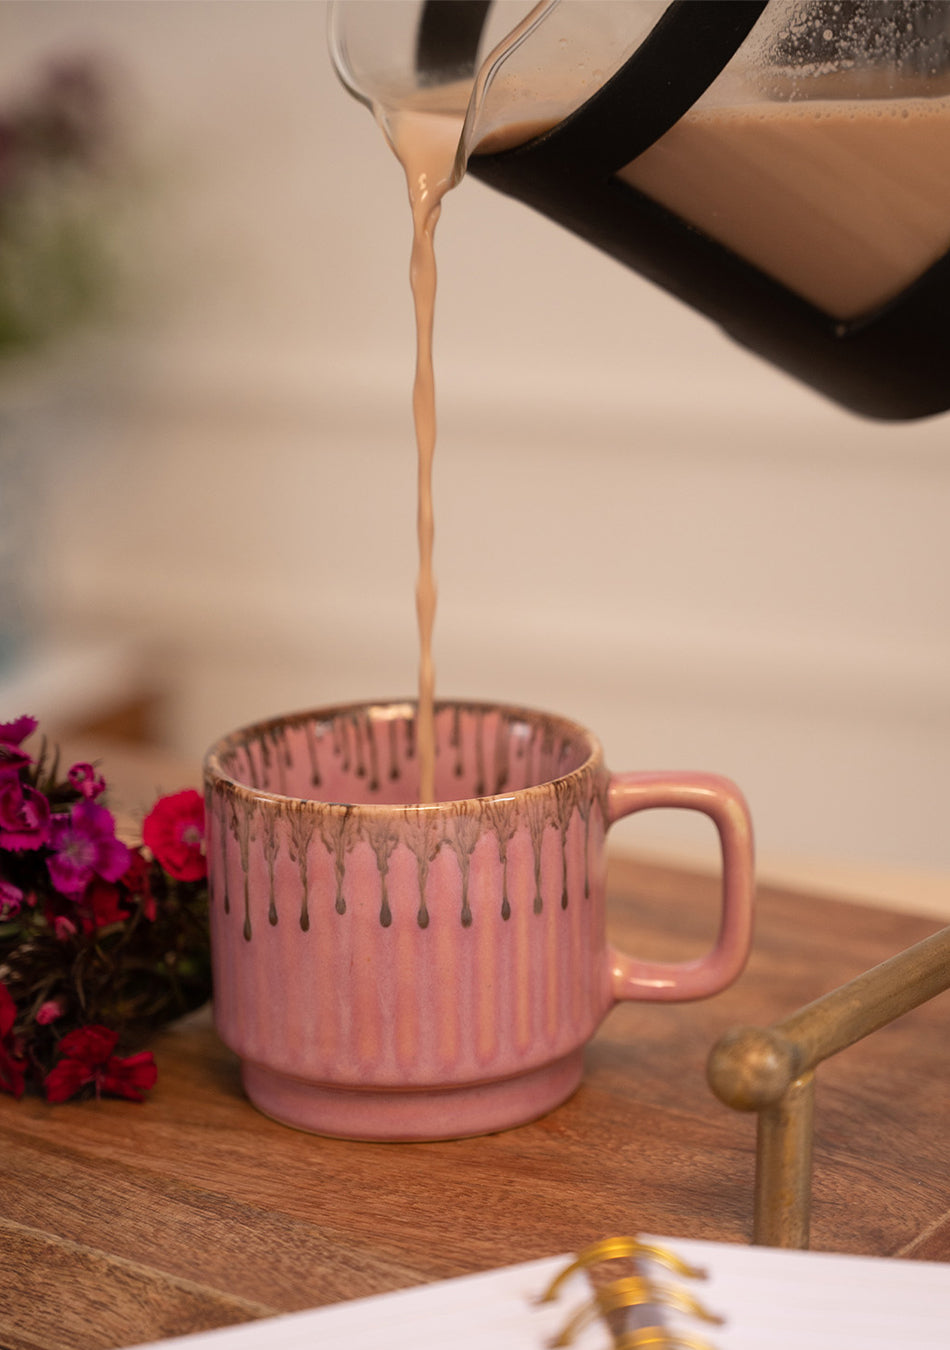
[{"x": 722, "y": 801}]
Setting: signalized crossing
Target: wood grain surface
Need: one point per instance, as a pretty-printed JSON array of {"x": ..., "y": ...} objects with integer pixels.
[{"x": 123, "y": 1223}]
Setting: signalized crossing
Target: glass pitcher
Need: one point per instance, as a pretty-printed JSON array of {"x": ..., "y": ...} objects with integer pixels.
[{"x": 783, "y": 166}]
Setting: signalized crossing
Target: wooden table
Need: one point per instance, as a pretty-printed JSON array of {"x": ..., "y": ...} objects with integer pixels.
[{"x": 122, "y": 1223}]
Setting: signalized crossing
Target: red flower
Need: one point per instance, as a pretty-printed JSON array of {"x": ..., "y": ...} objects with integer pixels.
[
  {"x": 87, "y": 1058},
  {"x": 136, "y": 882},
  {"x": 12, "y": 1062},
  {"x": 103, "y": 903},
  {"x": 174, "y": 831}
]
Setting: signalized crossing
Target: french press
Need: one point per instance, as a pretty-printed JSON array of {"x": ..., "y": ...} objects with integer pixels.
[{"x": 782, "y": 166}]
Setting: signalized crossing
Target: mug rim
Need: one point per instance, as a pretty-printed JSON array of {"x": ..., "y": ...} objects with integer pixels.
[{"x": 214, "y": 773}]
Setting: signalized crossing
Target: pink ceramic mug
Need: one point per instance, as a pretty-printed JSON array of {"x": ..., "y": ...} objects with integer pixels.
[{"x": 390, "y": 970}]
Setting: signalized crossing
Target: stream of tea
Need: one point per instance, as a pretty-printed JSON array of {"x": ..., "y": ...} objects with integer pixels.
[{"x": 425, "y": 144}]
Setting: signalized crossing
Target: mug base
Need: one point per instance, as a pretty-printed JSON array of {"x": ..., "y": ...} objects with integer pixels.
[{"x": 402, "y": 1115}]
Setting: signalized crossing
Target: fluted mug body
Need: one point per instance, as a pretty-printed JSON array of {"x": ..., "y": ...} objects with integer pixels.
[{"x": 390, "y": 969}]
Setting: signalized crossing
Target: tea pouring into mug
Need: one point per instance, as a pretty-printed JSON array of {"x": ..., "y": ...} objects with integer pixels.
[{"x": 390, "y": 969}]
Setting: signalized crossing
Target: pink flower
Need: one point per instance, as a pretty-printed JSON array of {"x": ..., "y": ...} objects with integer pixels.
[
  {"x": 85, "y": 780},
  {"x": 174, "y": 831},
  {"x": 11, "y": 734},
  {"x": 63, "y": 928},
  {"x": 11, "y": 898},
  {"x": 87, "y": 1058},
  {"x": 49, "y": 1011},
  {"x": 84, "y": 846},
  {"x": 12, "y": 1061},
  {"x": 24, "y": 813}
]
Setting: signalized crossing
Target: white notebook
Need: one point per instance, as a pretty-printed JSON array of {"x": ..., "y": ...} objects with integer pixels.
[{"x": 734, "y": 1298}]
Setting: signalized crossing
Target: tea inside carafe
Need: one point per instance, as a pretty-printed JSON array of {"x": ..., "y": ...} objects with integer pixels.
[
  {"x": 820, "y": 155},
  {"x": 789, "y": 181}
]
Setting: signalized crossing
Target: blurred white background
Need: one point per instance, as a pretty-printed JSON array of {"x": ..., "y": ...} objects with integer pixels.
[{"x": 638, "y": 524}]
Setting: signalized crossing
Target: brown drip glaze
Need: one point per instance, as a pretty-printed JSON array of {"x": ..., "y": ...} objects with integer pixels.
[
  {"x": 422, "y": 832},
  {"x": 280, "y": 759},
  {"x": 393, "y": 728},
  {"x": 383, "y": 840},
  {"x": 271, "y": 849},
  {"x": 537, "y": 812},
  {"x": 502, "y": 752},
  {"x": 351, "y": 738},
  {"x": 564, "y": 805},
  {"x": 242, "y": 810},
  {"x": 504, "y": 823},
  {"x": 373, "y": 751},
  {"x": 339, "y": 839},
  {"x": 301, "y": 832},
  {"x": 466, "y": 829},
  {"x": 455, "y": 740},
  {"x": 479, "y": 789},
  {"x": 310, "y": 730},
  {"x": 356, "y": 722}
]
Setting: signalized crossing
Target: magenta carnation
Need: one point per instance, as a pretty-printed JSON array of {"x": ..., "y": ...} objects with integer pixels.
[
  {"x": 24, "y": 814},
  {"x": 86, "y": 781},
  {"x": 11, "y": 734},
  {"x": 84, "y": 846}
]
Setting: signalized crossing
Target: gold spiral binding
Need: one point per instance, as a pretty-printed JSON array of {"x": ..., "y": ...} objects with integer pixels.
[
  {"x": 658, "y": 1338},
  {"x": 631, "y": 1292},
  {"x": 634, "y": 1291},
  {"x": 610, "y": 1249}
]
